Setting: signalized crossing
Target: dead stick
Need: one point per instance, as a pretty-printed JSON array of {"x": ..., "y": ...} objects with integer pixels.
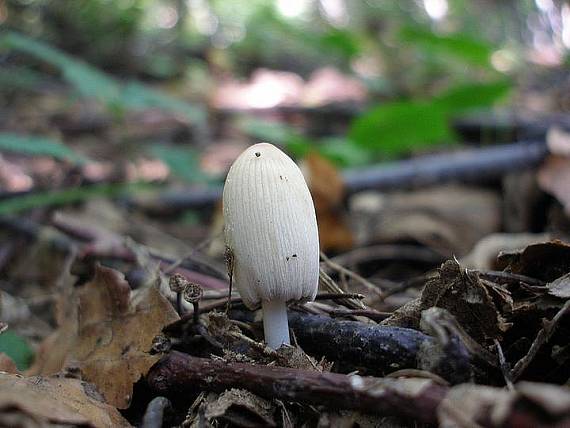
[
  {"x": 179, "y": 373},
  {"x": 543, "y": 336}
]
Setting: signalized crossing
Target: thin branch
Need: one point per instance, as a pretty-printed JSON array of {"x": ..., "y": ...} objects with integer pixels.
[
  {"x": 361, "y": 280},
  {"x": 543, "y": 336}
]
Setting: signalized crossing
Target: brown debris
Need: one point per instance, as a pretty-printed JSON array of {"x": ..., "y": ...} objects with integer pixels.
[
  {"x": 107, "y": 334},
  {"x": 477, "y": 305},
  {"x": 61, "y": 401}
]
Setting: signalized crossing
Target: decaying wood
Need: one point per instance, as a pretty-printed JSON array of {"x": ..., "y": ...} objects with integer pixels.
[
  {"x": 417, "y": 399},
  {"x": 379, "y": 349}
]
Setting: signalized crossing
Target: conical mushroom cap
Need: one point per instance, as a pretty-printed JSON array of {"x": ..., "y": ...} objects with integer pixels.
[{"x": 270, "y": 227}]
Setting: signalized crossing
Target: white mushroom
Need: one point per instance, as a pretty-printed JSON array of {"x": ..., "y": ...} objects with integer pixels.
[{"x": 271, "y": 230}]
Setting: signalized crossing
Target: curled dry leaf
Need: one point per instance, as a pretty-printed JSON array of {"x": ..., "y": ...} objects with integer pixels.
[
  {"x": 241, "y": 408},
  {"x": 60, "y": 401},
  {"x": 546, "y": 261},
  {"x": 473, "y": 302},
  {"x": 106, "y": 334}
]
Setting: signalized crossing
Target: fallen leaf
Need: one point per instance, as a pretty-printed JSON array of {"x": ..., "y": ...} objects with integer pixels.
[
  {"x": 529, "y": 405},
  {"x": 327, "y": 189},
  {"x": 241, "y": 408},
  {"x": 450, "y": 219},
  {"x": 484, "y": 255},
  {"x": 107, "y": 334},
  {"x": 546, "y": 261},
  {"x": 474, "y": 303},
  {"x": 554, "y": 178},
  {"x": 60, "y": 401}
]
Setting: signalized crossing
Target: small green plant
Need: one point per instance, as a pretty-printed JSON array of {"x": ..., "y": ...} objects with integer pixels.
[
  {"x": 38, "y": 146},
  {"x": 91, "y": 83}
]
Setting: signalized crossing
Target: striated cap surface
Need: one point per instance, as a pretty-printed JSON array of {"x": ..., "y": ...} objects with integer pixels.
[{"x": 270, "y": 227}]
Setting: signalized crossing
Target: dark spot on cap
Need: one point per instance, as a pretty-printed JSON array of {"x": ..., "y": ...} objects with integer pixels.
[
  {"x": 257, "y": 154},
  {"x": 294, "y": 255},
  {"x": 287, "y": 257}
]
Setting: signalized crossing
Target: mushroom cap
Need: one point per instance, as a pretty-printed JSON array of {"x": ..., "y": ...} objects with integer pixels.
[{"x": 270, "y": 227}]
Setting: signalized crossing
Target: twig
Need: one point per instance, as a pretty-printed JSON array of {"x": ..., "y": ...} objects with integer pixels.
[
  {"x": 405, "y": 285},
  {"x": 339, "y": 296},
  {"x": 328, "y": 283},
  {"x": 511, "y": 278},
  {"x": 504, "y": 366},
  {"x": 543, "y": 336},
  {"x": 341, "y": 269},
  {"x": 154, "y": 415},
  {"x": 179, "y": 373}
]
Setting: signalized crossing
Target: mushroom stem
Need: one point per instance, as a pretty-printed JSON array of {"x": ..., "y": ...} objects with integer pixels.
[{"x": 275, "y": 324}]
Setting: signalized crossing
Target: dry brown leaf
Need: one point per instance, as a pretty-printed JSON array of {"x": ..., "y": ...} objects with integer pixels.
[
  {"x": 529, "y": 405},
  {"x": 327, "y": 190},
  {"x": 7, "y": 365},
  {"x": 484, "y": 255},
  {"x": 107, "y": 334},
  {"x": 55, "y": 400},
  {"x": 554, "y": 178},
  {"x": 546, "y": 261},
  {"x": 450, "y": 219},
  {"x": 474, "y": 303},
  {"x": 241, "y": 408}
]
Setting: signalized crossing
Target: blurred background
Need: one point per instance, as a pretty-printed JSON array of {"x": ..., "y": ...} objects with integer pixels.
[{"x": 120, "y": 118}]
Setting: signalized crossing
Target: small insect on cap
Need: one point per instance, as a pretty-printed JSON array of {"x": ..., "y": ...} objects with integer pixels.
[{"x": 271, "y": 228}]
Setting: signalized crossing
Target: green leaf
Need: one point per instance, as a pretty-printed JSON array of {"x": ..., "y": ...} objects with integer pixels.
[
  {"x": 341, "y": 41},
  {"x": 137, "y": 96},
  {"x": 17, "y": 349},
  {"x": 38, "y": 146},
  {"x": 460, "y": 46},
  {"x": 344, "y": 152},
  {"x": 473, "y": 95},
  {"x": 67, "y": 196},
  {"x": 183, "y": 162},
  {"x": 397, "y": 127},
  {"x": 87, "y": 80},
  {"x": 271, "y": 132},
  {"x": 92, "y": 83}
]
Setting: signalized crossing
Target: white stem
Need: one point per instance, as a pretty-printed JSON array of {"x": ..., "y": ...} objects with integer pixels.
[{"x": 275, "y": 323}]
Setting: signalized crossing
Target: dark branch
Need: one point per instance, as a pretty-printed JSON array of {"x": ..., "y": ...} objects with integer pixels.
[{"x": 179, "y": 373}]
